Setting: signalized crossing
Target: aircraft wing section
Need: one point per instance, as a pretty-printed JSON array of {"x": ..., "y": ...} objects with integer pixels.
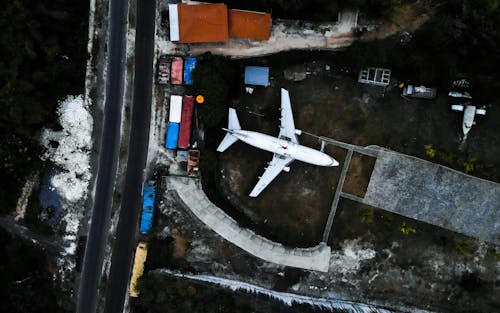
[
  {"x": 287, "y": 128},
  {"x": 277, "y": 164}
]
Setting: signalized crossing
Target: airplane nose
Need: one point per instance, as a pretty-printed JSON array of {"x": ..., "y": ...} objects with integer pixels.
[{"x": 334, "y": 163}]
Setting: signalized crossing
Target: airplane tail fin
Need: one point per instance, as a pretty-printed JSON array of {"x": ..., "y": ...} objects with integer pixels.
[{"x": 233, "y": 124}]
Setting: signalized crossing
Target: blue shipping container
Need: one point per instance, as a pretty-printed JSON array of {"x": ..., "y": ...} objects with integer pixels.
[
  {"x": 257, "y": 75},
  {"x": 172, "y": 135},
  {"x": 189, "y": 66},
  {"x": 148, "y": 206}
]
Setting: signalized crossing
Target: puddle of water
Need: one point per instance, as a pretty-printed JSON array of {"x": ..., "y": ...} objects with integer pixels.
[{"x": 50, "y": 201}]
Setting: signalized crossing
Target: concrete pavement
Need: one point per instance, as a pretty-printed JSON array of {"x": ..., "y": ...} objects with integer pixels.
[{"x": 435, "y": 194}]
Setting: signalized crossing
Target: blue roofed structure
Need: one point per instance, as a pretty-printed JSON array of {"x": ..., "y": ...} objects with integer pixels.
[
  {"x": 257, "y": 75},
  {"x": 148, "y": 206},
  {"x": 189, "y": 66},
  {"x": 172, "y": 135}
]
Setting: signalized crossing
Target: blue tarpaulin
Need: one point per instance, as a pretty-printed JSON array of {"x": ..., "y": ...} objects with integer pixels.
[
  {"x": 257, "y": 75},
  {"x": 189, "y": 66},
  {"x": 172, "y": 135},
  {"x": 148, "y": 206}
]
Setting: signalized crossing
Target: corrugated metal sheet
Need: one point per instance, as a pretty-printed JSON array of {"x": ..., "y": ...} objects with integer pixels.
[
  {"x": 185, "y": 127},
  {"x": 176, "y": 72},
  {"x": 141, "y": 254},
  {"x": 249, "y": 24},
  {"x": 172, "y": 135},
  {"x": 148, "y": 206},
  {"x": 202, "y": 22},
  {"x": 175, "y": 109},
  {"x": 189, "y": 66},
  {"x": 257, "y": 75},
  {"x": 173, "y": 17}
]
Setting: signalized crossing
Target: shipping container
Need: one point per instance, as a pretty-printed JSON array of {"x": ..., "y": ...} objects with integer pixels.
[
  {"x": 175, "y": 111},
  {"x": 173, "y": 18},
  {"x": 186, "y": 121},
  {"x": 172, "y": 135},
  {"x": 189, "y": 66},
  {"x": 141, "y": 253},
  {"x": 148, "y": 206},
  {"x": 163, "y": 70},
  {"x": 176, "y": 72}
]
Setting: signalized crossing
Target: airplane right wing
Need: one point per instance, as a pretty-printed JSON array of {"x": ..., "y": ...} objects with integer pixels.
[
  {"x": 287, "y": 128},
  {"x": 277, "y": 164}
]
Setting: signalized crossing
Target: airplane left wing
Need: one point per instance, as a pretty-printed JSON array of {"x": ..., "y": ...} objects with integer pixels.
[
  {"x": 277, "y": 164},
  {"x": 287, "y": 128}
]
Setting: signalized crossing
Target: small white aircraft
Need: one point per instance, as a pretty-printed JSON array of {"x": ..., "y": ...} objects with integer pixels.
[
  {"x": 286, "y": 147},
  {"x": 470, "y": 111}
]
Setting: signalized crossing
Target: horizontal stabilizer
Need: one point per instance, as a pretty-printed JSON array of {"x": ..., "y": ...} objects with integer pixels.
[
  {"x": 226, "y": 142},
  {"x": 232, "y": 124}
]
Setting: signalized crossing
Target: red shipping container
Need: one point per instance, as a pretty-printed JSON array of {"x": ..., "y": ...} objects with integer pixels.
[
  {"x": 177, "y": 71},
  {"x": 186, "y": 122}
]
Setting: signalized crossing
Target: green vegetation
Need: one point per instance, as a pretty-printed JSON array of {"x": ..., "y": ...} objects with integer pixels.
[
  {"x": 367, "y": 216},
  {"x": 32, "y": 217},
  {"x": 320, "y": 10},
  {"x": 42, "y": 60},
  {"x": 160, "y": 252},
  {"x": 213, "y": 79},
  {"x": 164, "y": 294},
  {"x": 27, "y": 285},
  {"x": 168, "y": 294},
  {"x": 463, "y": 247},
  {"x": 406, "y": 229},
  {"x": 430, "y": 152},
  {"x": 470, "y": 164},
  {"x": 467, "y": 164}
]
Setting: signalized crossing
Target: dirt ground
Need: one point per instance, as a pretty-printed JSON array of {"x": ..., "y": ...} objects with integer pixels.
[
  {"x": 426, "y": 264},
  {"x": 329, "y": 102}
]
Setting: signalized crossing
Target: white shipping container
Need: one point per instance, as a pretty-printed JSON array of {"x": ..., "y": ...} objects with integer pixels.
[
  {"x": 175, "y": 109},
  {"x": 174, "y": 22}
]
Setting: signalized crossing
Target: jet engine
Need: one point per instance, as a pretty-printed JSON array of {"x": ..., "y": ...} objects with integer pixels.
[
  {"x": 298, "y": 132},
  {"x": 286, "y": 169}
]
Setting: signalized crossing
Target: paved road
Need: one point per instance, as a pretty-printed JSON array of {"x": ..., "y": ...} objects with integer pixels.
[
  {"x": 138, "y": 146},
  {"x": 108, "y": 155}
]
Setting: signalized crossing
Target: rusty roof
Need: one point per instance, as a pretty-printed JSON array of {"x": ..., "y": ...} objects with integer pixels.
[
  {"x": 202, "y": 22},
  {"x": 248, "y": 24}
]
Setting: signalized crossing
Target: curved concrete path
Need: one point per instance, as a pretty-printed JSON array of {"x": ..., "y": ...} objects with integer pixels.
[{"x": 316, "y": 258}]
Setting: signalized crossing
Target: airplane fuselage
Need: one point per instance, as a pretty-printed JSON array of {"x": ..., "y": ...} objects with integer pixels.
[{"x": 284, "y": 147}]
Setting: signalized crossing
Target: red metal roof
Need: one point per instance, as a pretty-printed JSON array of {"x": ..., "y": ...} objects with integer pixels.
[
  {"x": 186, "y": 121},
  {"x": 202, "y": 22},
  {"x": 248, "y": 24},
  {"x": 176, "y": 73}
]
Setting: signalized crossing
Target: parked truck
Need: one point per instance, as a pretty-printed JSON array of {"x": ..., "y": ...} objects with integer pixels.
[
  {"x": 186, "y": 122},
  {"x": 193, "y": 163},
  {"x": 148, "y": 206},
  {"x": 141, "y": 253},
  {"x": 163, "y": 70}
]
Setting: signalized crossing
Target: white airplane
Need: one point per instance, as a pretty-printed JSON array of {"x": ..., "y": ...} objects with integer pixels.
[
  {"x": 286, "y": 147},
  {"x": 470, "y": 111}
]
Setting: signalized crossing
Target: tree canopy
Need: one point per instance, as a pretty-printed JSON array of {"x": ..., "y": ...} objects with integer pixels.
[{"x": 42, "y": 60}]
